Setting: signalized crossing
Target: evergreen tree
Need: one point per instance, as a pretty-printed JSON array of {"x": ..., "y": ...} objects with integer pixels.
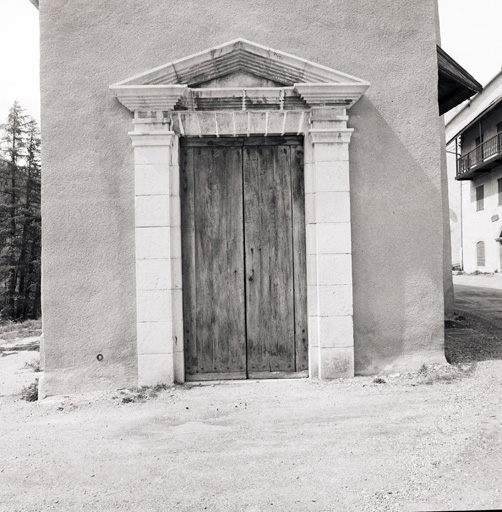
[{"x": 20, "y": 222}]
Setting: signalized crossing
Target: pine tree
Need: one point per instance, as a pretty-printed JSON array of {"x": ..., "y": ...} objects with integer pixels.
[{"x": 20, "y": 223}]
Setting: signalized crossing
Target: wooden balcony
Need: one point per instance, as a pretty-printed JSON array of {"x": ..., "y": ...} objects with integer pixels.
[{"x": 482, "y": 159}]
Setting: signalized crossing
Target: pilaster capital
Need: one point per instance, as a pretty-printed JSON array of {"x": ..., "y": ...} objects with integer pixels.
[
  {"x": 156, "y": 138},
  {"x": 323, "y": 114},
  {"x": 330, "y": 135}
]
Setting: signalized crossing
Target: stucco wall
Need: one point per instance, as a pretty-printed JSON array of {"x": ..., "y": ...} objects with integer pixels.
[
  {"x": 88, "y": 255},
  {"x": 448, "y": 236}
]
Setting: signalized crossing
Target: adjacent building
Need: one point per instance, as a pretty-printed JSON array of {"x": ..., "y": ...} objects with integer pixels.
[{"x": 474, "y": 144}]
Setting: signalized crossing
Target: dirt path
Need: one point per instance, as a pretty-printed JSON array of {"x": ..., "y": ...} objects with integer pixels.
[
  {"x": 290, "y": 445},
  {"x": 415, "y": 442}
]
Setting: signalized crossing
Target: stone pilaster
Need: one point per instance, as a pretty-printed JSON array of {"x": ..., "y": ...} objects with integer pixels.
[
  {"x": 158, "y": 254},
  {"x": 329, "y": 248}
]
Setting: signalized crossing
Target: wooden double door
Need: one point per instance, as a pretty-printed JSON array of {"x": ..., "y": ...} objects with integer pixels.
[{"x": 243, "y": 257}]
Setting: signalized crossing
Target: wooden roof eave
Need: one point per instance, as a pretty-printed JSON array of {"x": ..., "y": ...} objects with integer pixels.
[{"x": 455, "y": 84}]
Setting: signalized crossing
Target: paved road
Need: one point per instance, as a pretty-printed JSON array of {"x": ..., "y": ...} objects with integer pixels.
[
  {"x": 476, "y": 333},
  {"x": 493, "y": 281},
  {"x": 480, "y": 296}
]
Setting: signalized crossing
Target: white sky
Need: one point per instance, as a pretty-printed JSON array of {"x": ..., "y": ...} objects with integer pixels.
[
  {"x": 19, "y": 57},
  {"x": 471, "y": 33}
]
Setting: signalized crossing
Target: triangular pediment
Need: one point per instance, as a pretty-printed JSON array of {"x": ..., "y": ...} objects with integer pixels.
[
  {"x": 238, "y": 55},
  {"x": 236, "y": 64}
]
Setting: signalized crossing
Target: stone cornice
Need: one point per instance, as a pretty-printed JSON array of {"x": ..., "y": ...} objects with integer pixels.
[
  {"x": 149, "y": 97},
  {"x": 331, "y": 94},
  {"x": 164, "y": 97}
]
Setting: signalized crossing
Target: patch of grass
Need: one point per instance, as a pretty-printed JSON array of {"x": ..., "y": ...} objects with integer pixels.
[
  {"x": 33, "y": 346},
  {"x": 13, "y": 330},
  {"x": 141, "y": 394},
  {"x": 34, "y": 365},
  {"x": 458, "y": 322},
  {"x": 433, "y": 373},
  {"x": 30, "y": 393}
]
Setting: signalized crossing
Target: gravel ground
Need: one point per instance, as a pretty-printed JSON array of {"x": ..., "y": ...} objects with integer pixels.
[
  {"x": 424, "y": 441},
  {"x": 415, "y": 442}
]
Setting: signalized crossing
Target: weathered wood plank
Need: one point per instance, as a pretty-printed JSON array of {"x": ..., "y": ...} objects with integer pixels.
[
  {"x": 188, "y": 257},
  {"x": 197, "y": 377},
  {"x": 278, "y": 375},
  {"x": 299, "y": 258},
  {"x": 285, "y": 140},
  {"x": 219, "y": 309},
  {"x": 212, "y": 142},
  {"x": 269, "y": 259}
]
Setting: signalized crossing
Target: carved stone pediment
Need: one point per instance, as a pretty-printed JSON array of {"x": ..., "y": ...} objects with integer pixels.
[{"x": 239, "y": 75}]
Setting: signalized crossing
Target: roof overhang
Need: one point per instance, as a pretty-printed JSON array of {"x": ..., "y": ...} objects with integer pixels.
[
  {"x": 161, "y": 88},
  {"x": 455, "y": 84}
]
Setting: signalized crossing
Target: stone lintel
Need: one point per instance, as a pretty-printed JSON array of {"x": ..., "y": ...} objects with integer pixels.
[{"x": 240, "y": 123}]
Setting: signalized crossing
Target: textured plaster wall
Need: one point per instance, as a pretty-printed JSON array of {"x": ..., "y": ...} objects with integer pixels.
[
  {"x": 449, "y": 299},
  {"x": 88, "y": 255}
]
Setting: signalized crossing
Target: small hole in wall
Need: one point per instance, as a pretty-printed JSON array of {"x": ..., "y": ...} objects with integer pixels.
[{"x": 99, "y": 357}]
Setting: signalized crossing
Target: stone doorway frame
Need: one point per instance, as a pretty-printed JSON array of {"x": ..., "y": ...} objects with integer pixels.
[{"x": 326, "y": 95}]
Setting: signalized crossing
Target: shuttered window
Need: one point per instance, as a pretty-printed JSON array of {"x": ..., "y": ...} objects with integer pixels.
[
  {"x": 499, "y": 183},
  {"x": 480, "y": 254},
  {"x": 480, "y": 198}
]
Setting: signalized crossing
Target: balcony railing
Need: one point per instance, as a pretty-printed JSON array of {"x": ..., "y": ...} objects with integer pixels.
[{"x": 481, "y": 159}]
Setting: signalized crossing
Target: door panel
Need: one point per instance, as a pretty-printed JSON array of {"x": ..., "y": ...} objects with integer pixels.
[
  {"x": 269, "y": 259},
  {"x": 187, "y": 165},
  {"x": 217, "y": 343},
  {"x": 243, "y": 244}
]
